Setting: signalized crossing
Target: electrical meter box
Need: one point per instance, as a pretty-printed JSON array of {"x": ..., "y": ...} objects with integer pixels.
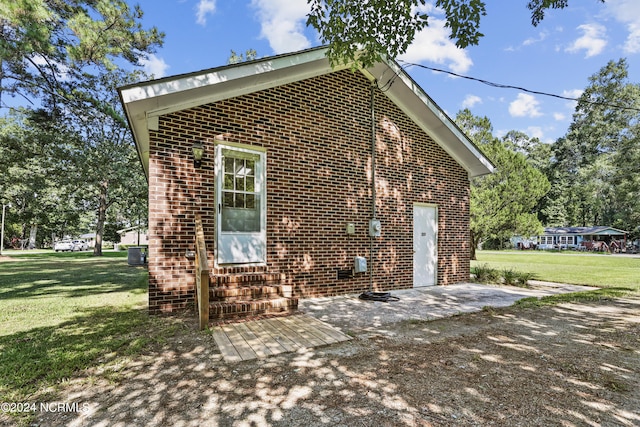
[
  {"x": 359, "y": 264},
  {"x": 374, "y": 228},
  {"x": 351, "y": 228}
]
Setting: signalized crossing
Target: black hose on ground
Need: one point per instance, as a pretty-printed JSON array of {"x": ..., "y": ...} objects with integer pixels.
[{"x": 378, "y": 296}]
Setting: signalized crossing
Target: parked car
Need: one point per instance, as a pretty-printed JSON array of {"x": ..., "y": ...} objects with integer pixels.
[
  {"x": 80, "y": 245},
  {"x": 64, "y": 245}
]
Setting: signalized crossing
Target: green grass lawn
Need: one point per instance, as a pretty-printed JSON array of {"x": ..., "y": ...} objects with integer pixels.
[
  {"x": 46, "y": 289},
  {"x": 63, "y": 313},
  {"x": 601, "y": 270}
]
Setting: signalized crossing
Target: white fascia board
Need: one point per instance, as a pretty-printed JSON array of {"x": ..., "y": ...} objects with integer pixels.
[
  {"x": 414, "y": 101},
  {"x": 609, "y": 231},
  {"x": 190, "y": 90},
  {"x": 145, "y": 102}
]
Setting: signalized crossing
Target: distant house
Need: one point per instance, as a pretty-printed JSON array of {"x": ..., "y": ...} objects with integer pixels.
[
  {"x": 324, "y": 180},
  {"x": 90, "y": 238},
  {"x": 134, "y": 236},
  {"x": 599, "y": 238}
]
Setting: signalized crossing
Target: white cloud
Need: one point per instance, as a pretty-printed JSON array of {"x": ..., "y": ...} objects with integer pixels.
[
  {"x": 572, "y": 93},
  {"x": 154, "y": 65},
  {"x": 525, "y": 106},
  {"x": 632, "y": 45},
  {"x": 283, "y": 23},
  {"x": 627, "y": 12},
  {"x": 428, "y": 8},
  {"x": 433, "y": 44},
  {"x": 541, "y": 37},
  {"x": 470, "y": 101},
  {"x": 593, "y": 40},
  {"x": 204, "y": 8},
  {"x": 559, "y": 117},
  {"x": 535, "y": 132},
  {"x": 62, "y": 72}
]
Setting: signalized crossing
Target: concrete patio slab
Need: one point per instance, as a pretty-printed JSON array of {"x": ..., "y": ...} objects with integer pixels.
[{"x": 352, "y": 315}]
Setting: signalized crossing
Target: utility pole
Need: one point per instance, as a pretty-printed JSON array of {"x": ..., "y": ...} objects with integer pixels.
[{"x": 2, "y": 228}]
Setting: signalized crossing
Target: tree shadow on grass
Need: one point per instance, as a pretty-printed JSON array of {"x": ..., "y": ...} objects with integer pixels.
[
  {"x": 524, "y": 367},
  {"x": 69, "y": 277},
  {"x": 33, "y": 360},
  {"x": 64, "y": 255}
]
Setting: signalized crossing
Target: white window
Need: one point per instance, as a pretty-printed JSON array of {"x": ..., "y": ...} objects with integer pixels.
[
  {"x": 241, "y": 198},
  {"x": 546, "y": 240},
  {"x": 566, "y": 240}
]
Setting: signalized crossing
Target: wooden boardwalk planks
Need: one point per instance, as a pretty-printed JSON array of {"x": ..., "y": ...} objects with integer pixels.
[
  {"x": 226, "y": 346},
  {"x": 266, "y": 337}
]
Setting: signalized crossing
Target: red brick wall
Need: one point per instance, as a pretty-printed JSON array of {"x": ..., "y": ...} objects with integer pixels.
[{"x": 317, "y": 139}]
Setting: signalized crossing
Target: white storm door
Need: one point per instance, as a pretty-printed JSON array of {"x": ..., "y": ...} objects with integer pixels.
[
  {"x": 425, "y": 245},
  {"x": 241, "y": 210}
]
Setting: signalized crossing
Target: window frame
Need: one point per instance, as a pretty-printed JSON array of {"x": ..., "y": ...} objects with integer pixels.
[{"x": 255, "y": 242}]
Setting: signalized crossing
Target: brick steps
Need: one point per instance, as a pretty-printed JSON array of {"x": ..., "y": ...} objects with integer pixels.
[
  {"x": 241, "y": 309},
  {"x": 241, "y": 296},
  {"x": 243, "y": 293}
]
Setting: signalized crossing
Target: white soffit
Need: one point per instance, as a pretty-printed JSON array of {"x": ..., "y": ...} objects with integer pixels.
[
  {"x": 189, "y": 90},
  {"x": 145, "y": 102}
]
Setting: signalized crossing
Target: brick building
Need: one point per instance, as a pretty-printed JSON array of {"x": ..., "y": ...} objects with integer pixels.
[{"x": 285, "y": 190}]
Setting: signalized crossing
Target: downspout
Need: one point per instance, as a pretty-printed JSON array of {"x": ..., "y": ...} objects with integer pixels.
[{"x": 374, "y": 84}]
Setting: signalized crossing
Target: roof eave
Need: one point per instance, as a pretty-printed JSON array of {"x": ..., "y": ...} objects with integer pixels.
[
  {"x": 145, "y": 102},
  {"x": 423, "y": 110}
]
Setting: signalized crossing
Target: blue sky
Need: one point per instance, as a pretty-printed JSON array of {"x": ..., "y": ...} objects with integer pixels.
[{"x": 556, "y": 57}]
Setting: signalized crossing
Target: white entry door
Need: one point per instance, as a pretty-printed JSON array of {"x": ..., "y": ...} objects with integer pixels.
[
  {"x": 241, "y": 231},
  {"x": 425, "y": 245}
]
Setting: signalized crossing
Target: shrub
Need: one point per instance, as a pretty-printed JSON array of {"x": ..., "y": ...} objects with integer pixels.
[
  {"x": 510, "y": 277},
  {"x": 486, "y": 274},
  {"x": 523, "y": 278}
]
